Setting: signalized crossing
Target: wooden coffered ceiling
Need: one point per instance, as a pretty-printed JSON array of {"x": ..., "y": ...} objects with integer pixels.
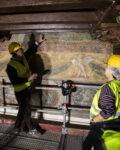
[{"x": 58, "y": 15}]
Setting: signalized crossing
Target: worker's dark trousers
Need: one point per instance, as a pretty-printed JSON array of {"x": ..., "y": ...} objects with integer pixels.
[
  {"x": 94, "y": 139},
  {"x": 24, "y": 113}
]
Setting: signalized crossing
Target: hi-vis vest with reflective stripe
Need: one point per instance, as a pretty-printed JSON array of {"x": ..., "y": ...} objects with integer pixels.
[
  {"x": 95, "y": 110},
  {"x": 22, "y": 72}
]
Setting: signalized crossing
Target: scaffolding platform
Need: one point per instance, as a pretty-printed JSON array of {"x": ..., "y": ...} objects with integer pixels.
[{"x": 47, "y": 141}]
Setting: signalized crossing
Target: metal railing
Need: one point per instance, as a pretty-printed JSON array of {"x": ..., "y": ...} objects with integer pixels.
[{"x": 66, "y": 88}]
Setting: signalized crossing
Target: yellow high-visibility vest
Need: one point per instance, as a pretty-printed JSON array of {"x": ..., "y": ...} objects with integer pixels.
[
  {"x": 95, "y": 110},
  {"x": 111, "y": 138},
  {"x": 23, "y": 71}
]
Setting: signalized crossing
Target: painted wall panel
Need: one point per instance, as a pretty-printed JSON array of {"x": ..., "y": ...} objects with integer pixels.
[{"x": 62, "y": 56}]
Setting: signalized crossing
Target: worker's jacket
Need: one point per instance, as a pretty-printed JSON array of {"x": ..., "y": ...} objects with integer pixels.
[
  {"x": 110, "y": 136},
  {"x": 23, "y": 71},
  {"x": 95, "y": 109}
]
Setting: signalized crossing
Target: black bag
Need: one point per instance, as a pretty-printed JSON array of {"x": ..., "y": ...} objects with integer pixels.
[{"x": 113, "y": 124}]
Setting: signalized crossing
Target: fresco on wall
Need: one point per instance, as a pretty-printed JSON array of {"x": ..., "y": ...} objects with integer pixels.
[
  {"x": 62, "y": 56},
  {"x": 72, "y": 59},
  {"x": 76, "y": 66}
]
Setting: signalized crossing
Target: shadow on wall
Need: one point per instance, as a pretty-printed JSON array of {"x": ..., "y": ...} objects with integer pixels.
[{"x": 37, "y": 66}]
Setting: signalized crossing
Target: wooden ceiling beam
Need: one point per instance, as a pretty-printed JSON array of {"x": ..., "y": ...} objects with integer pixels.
[
  {"x": 46, "y": 27},
  {"x": 58, "y": 17},
  {"x": 48, "y": 31},
  {"x": 17, "y": 6}
]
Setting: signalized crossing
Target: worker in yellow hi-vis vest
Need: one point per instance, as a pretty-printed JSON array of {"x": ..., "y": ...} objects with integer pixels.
[
  {"x": 21, "y": 78},
  {"x": 105, "y": 111}
]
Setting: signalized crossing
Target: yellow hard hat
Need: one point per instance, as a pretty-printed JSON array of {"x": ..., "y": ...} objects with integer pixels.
[
  {"x": 114, "y": 61},
  {"x": 13, "y": 47}
]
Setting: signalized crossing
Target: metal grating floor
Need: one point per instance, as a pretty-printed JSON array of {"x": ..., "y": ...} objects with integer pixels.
[
  {"x": 73, "y": 142},
  {"x": 46, "y": 141},
  {"x": 23, "y": 141}
]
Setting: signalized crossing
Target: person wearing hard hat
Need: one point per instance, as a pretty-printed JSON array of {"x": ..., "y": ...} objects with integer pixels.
[
  {"x": 105, "y": 111},
  {"x": 21, "y": 77}
]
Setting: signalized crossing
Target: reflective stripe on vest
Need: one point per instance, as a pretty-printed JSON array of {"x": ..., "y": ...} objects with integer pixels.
[
  {"x": 95, "y": 110},
  {"x": 23, "y": 71}
]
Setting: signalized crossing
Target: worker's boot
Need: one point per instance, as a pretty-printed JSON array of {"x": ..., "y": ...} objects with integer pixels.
[
  {"x": 36, "y": 132},
  {"x": 40, "y": 130},
  {"x": 16, "y": 130}
]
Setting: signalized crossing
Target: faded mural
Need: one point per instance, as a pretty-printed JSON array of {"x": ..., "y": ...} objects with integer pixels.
[
  {"x": 74, "y": 60},
  {"x": 62, "y": 56}
]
